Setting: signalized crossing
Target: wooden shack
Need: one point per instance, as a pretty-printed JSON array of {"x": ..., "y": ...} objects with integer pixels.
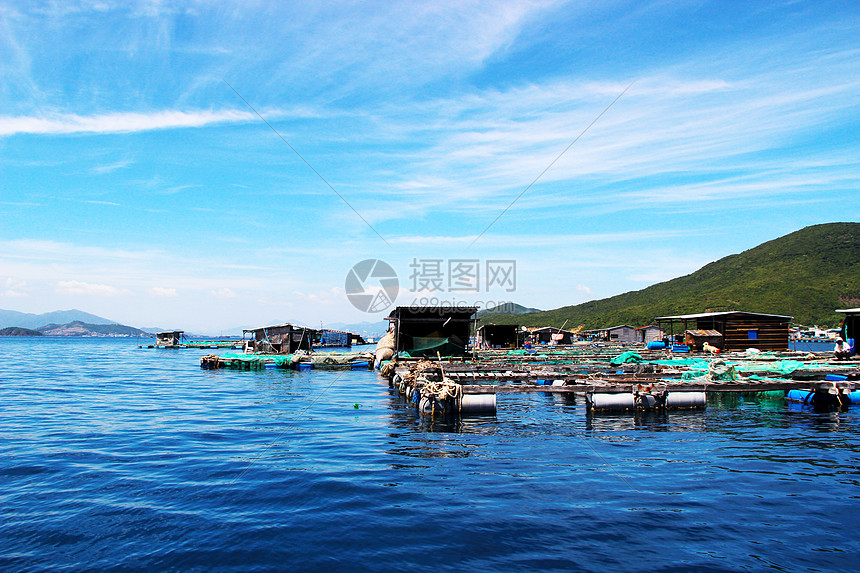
[
  {"x": 498, "y": 336},
  {"x": 424, "y": 331},
  {"x": 169, "y": 338},
  {"x": 278, "y": 339},
  {"x": 621, "y": 333},
  {"x": 850, "y": 328},
  {"x": 552, "y": 335},
  {"x": 737, "y": 330},
  {"x": 328, "y": 338},
  {"x": 650, "y": 333}
]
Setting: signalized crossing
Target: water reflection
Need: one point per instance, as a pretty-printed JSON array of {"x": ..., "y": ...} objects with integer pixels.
[
  {"x": 564, "y": 399},
  {"x": 771, "y": 410},
  {"x": 656, "y": 421}
]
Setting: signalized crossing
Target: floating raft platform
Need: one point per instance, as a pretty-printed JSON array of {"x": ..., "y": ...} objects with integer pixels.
[
  {"x": 613, "y": 380},
  {"x": 324, "y": 360},
  {"x": 199, "y": 344}
]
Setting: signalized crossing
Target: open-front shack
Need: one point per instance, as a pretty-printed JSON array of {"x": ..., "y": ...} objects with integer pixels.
[
  {"x": 498, "y": 336},
  {"x": 424, "y": 331},
  {"x": 278, "y": 339},
  {"x": 169, "y": 338},
  {"x": 732, "y": 330},
  {"x": 850, "y": 329}
]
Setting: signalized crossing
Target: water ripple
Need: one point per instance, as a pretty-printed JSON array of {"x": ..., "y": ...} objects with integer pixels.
[{"x": 114, "y": 457}]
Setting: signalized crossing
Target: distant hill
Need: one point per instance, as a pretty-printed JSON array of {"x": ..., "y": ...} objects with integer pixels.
[
  {"x": 33, "y": 321},
  {"x": 78, "y": 328},
  {"x": 506, "y": 308},
  {"x": 806, "y": 274},
  {"x": 18, "y": 331}
]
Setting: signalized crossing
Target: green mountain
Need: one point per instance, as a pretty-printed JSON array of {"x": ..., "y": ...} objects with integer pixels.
[
  {"x": 506, "y": 308},
  {"x": 806, "y": 274}
]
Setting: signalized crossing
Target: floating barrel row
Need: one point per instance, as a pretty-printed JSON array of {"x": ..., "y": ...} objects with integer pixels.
[
  {"x": 432, "y": 393},
  {"x": 646, "y": 397},
  {"x": 827, "y": 398}
]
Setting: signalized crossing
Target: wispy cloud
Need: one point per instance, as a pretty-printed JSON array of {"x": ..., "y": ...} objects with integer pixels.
[
  {"x": 118, "y": 122},
  {"x": 541, "y": 239},
  {"x": 90, "y": 289},
  {"x": 484, "y": 148},
  {"x": 94, "y": 202},
  {"x": 110, "y": 168}
]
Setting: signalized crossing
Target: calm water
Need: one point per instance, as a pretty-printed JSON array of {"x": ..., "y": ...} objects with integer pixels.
[
  {"x": 129, "y": 459},
  {"x": 806, "y": 346}
]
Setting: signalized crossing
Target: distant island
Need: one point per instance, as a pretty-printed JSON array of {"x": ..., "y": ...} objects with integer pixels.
[
  {"x": 34, "y": 321},
  {"x": 78, "y": 328},
  {"x": 18, "y": 331},
  {"x": 62, "y": 323}
]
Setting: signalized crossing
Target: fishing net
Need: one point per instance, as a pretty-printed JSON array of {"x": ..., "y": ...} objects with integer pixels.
[
  {"x": 628, "y": 357},
  {"x": 430, "y": 345}
]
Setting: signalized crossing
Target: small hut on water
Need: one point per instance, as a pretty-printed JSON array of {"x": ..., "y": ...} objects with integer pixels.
[
  {"x": 169, "y": 338},
  {"x": 850, "y": 329},
  {"x": 620, "y": 333},
  {"x": 650, "y": 333},
  {"x": 498, "y": 336},
  {"x": 278, "y": 339},
  {"x": 731, "y": 330},
  {"x": 552, "y": 335},
  {"x": 424, "y": 331},
  {"x": 328, "y": 338}
]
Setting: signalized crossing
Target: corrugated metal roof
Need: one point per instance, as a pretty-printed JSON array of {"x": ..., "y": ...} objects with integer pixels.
[
  {"x": 276, "y": 326},
  {"x": 701, "y": 333},
  {"x": 725, "y": 313},
  {"x": 552, "y": 328}
]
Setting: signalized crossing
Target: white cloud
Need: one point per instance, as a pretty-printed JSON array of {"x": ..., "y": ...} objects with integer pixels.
[
  {"x": 13, "y": 293},
  {"x": 224, "y": 293},
  {"x": 13, "y": 287},
  {"x": 89, "y": 289},
  {"x": 162, "y": 292}
]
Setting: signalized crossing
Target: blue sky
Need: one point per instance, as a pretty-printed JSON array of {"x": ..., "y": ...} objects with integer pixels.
[{"x": 137, "y": 185}]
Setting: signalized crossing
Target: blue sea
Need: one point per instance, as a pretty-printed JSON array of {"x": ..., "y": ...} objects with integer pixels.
[{"x": 127, "y": 459}]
